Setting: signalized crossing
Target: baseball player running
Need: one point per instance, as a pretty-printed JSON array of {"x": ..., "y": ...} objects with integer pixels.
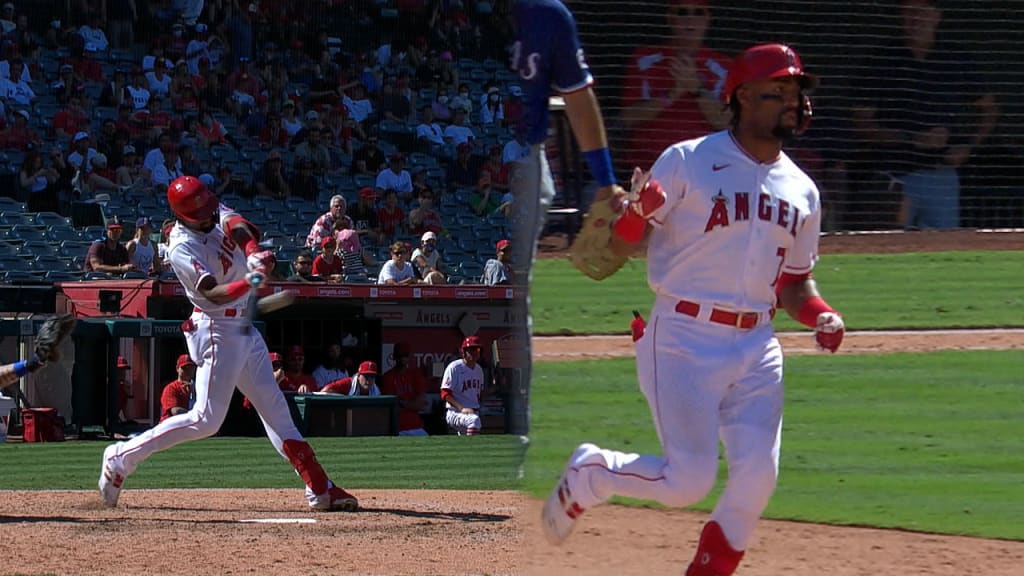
[
  {"x": 548, "y": 58},
  {"x": 733, "y": 228},
  {"x": 461, "y": 387},
  {"x": 214, "y": 253}
]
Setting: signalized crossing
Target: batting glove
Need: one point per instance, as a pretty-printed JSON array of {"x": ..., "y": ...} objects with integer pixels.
[
  {"x": 262, "y": 262},
  {"x": 829, "y": 331},
  {"x": 645, "y": 196}
]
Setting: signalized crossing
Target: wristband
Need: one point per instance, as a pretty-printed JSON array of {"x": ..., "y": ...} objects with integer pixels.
[
  {"x": 21, "y": 369},
  {"x": 630, "y": 226},
  {"x": 600, "y": 162},
  {"x": 810, "y": 309},
  {"x": 237, "y": 289}
]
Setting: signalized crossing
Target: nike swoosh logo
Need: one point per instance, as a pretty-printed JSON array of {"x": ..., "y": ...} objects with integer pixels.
[{"x": 717, "y": 167}]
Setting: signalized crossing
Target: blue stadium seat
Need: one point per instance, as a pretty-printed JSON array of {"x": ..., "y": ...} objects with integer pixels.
[
  {"x": 62, "y": 234},
  {"x": 22, "y": 277},
  {"x": 52, "y": 220},
  {"x": 135, "y": 275},
  {"x": 10, "y": 263},
  {"x": 36, "y": 248},
  {"x": 29, "y": 233},
  {"x": 8, "y": 204},
  {"x": 61, "y": 276},
  {"x": 471, "y": 270},
  {"x": 97, "y": 276},
  {"x": 51, "y": 263}
]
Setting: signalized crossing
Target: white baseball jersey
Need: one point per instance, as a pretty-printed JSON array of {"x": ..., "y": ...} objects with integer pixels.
[
  {"x": 730, "y": 224},
  {"x": 464, "y": 382},
  {"x": 195, "y": 255}
]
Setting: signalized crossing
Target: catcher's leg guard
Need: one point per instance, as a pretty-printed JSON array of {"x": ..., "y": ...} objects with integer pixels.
[
  {"x": 301, "y": 455},
  {"x": 715, "y": 557}
]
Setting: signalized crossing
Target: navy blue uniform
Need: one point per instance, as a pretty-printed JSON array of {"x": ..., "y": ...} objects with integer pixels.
[{"x": 548, "y": 57}]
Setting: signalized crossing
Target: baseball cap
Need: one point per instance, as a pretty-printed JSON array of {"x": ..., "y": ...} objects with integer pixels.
[
  {"x": 114, "y": 224},
  {"x": 200, "y": 27},
  {"x": 515, "y": 90},
  {"x": 367, "y": 192},
  {"x": 493, "y": 90},
  {"x": 312, "y": 115},
  {"x": 128, "y": 149},
  {"x": 288, "y": 104},
  {"x": 327, "y": 240},
  {"x": 24, "y": 114},
  {"x": 81, "y": 136},
  {"x": 503, "y": 244},
  {"x": 207, "y": 179},
  {"x": 295, "y": 351},
  {"x": 428, "y": 235},
  {"x": 183, "y": 360},
  {"x": 275, "y": 357},
  {"x": 121, "y": 362},
  {"x": 143, "y": 222},
  {"x": 368, "y": 367},
  {"x": 66, "y": 68}
]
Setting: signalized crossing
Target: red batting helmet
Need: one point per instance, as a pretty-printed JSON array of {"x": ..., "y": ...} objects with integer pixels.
[
  {"x": 191, "y": 200},
  {"x": 471, "y": 342},
  {"x": 764, "y": 62}
]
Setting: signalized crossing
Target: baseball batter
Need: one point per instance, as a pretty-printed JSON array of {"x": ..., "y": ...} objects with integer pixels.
[
  {"x": 461, "y": 387},
  {"x": 208, "y": 250},
  {"x": 733, "y": 229},
  {"x": 549, "y": 59}
]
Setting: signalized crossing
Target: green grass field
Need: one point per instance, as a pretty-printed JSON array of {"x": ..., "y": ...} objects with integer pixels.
[
  {"x": 448, "y": 462},
  {"x": 925, "y": 442},
  {"x": 885, "y": 291}
]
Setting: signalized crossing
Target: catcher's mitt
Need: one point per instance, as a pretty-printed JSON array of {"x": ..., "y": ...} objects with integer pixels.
[
  {"x": 54, "y": 331},
  {"x": 590, "y": 252}
]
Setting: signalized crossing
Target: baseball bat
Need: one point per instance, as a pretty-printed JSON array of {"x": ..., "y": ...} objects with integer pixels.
[{"x": 252, "y": 304}]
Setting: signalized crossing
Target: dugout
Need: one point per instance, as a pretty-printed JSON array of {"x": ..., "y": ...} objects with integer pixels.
[{"x": 368, "y": 320}]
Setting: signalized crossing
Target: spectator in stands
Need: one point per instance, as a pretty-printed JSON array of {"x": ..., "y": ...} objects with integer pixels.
[
  {"x": 210, "y": 131},
  {"x": 394, "y": 105},
  {"x": 67, "y": 86},
  {"x": 93, "y": 34},
  {"x": 493, "y": 110},
  {"x": 364, "y": 215},
  {"x": 273, "y": 133},
  {"x": 138, "y": 92},
  {"x": 155, "y": 157},
  {"x": 516, "y": 151},
  {"x": 407, "y": 383},
  {"x": 363, "y": 384},
  {"x": 108, "y": 255},
  {"x": 461, "y": 101},
  {"x": 420, "y": 183},
  {"x": 271, "y": 180},
  {"x": 429, "y": 134},
  {"x": 100, "y": 178},
  {"x": 197, "y": 48},
  {"x": 671, "y": 92},
  {"x": 332, "y": 367},
  {"x": 343, "y": 129},
  {"x": 327, "y": 264},
  {"x": 498, "y": 270},
  {"x": 190, "y": 163},
  {"x": 179, "y": 395},
  {"x": 243, "y": 86},
  {"x": 513, "y": 105},
  {"x": 121, "y": 18},
  {"x": 36, "y": 182},
  {"x": 277, "y": 366},
  {"x": 440, "y": 105},
  {"x": 353, "y": 258},
  {"x": 369, "y": 158},
  {"x": 359, "y": 106},
  {"x": 463, "y": 171},
  {"x": 313, "y": 148},
  {"x": 114, "y": 91},
  {"x": 294, "y": 378},
  {"x": 72, "y": 119},
  {"x": 304, "y": 183},
  {"x": 105, "y": 141},
  {"x": 87, "y": 68},
  {"x": 141, "y": 252},
  {"x": 391, "y": 216},
  {"x": 18, "y": 135},
  {"x": 14, "y": 88},
  {"x": 302, "y": 268},
  {"x": 428, "y": 74},
  {"x": 82, "y": 153},
  {"x": 129, "y": 173},
  {"x": 424, "y": 218},
  {"x": 395, "y": 177},
  {"x": 7, "y": 24},
  {"x": 161, "y": 247},
  {"x": 158, "y": 80},
  {"x": 154, "y": 118},
  {"x": 457, "y": 132},
  {"x": 291, "y": 123},
  {"x": 397, "y": 271},
  {"x": 496, "y": 169},
  {"x": 324, "y": 225},
  {"x": 168, "y": 171},
  {"x": 926, "y": 126},
  {"x": 486, "y": 199},
  {"x": 427, "y": 260}
]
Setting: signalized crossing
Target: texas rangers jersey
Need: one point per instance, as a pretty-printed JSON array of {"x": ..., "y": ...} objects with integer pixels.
[
  {"x": 464, "y": 382},
  {"x": 195, "y": 255},
  {"x": 730, "y": 224},
  {"x": 546, "y": 55}
]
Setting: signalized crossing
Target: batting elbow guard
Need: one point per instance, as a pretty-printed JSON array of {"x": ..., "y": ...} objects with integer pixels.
[
  {"x": 630, "y": 227},
  {"x": 235, "y": 222}
]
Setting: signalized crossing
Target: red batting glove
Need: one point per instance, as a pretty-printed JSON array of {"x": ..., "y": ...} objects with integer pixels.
[
  {"x": 637, "y": 327},
  {"x": 829, "y": 331},
  {"x": 645, "y": 196},
  {"x": 262, "y": 262}
]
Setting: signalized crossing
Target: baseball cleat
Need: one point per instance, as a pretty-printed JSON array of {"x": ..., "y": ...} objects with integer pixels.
[
  {"x": 111, "y": 477},
  {"x": 335, "y": 499},
  {"x": 561, "y": 511}
]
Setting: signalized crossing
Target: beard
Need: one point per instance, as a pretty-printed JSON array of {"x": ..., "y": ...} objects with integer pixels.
[{"x": 785, "y": 133}]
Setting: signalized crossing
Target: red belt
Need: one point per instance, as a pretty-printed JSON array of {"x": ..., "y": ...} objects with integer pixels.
[
  {"x": 227, "y": 312},
  {"x": 741, "y": 320}
]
